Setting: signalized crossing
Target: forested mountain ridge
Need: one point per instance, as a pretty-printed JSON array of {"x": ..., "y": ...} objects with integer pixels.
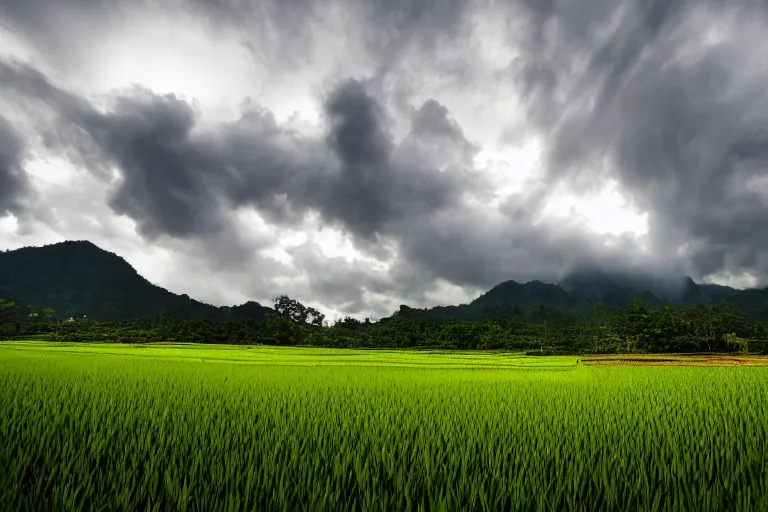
[
  {"x": 499, "y": 298},
  {"x": 598, "y": 313},
  {"x": 584, "y": 289},
  {"x": 77, "y": 278}
]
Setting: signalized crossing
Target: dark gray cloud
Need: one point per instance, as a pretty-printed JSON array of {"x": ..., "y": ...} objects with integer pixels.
[
  {"x": 162, "y": 183},
  {"x": 406, "y": 199},
  {"x": 678, "y": 120},
  {"x": 57, "y": 28},
  {"x": 14, "y": 184},
  {"x": 282, "y": 33},
  {"x": 175, "y": 179},
  {"x": 380, "y": 183},
  {"x": 387, "y": 28},
  {"x": 165, "y": 178},
  {"x": 423, "y": 27},
  {"x": 475, "y": 247},
  {"x": 363, "y": 147},
  {"x": 278, "y": 34},
  {"x": 666, "y": 97},
  {"x": 356, "y": 177},
  {"x": 438, "y": 138}
]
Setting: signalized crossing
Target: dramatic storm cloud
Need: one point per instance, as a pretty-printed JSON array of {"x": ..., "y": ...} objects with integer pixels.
[
  {"x": 667, "y": 98},
  {"x": 13, "y": 179},
  {"x": 358, "y": 155}
]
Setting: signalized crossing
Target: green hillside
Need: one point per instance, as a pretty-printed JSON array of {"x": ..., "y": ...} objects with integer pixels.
[{"x": 79, "y": 278}]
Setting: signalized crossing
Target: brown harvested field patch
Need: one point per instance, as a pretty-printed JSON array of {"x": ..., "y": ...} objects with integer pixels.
[{"x": 675, "y": 360}]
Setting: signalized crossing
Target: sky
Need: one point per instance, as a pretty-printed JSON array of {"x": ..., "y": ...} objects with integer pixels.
[{"x": 359, "y": 155}]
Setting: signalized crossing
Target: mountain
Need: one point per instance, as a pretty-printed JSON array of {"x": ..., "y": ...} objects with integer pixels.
[
  {"x": 500, "y": 297},
  {"x": 617, "y": 287},
  {"x": 588, "y": 286},
  {"x": 706, "y": 293},
  {"x": 79, "y": 278},
  {"x": 533, "y": 293},
  {"x": 752, "y": 302}
]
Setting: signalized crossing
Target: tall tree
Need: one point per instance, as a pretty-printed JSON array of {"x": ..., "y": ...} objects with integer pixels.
[
  {"x": 298, "y": 312},
  {"x": 9, "y": 318}
]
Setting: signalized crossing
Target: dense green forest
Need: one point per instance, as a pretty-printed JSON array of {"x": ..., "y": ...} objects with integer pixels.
[{"x": 544, "y": 329}]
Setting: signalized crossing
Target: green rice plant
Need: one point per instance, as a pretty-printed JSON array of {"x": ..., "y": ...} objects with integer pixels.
[{"x": 110, "y": 428}]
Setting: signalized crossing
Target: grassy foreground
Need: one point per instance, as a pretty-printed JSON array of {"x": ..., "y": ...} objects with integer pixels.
[{"x": 109, "y": 427}]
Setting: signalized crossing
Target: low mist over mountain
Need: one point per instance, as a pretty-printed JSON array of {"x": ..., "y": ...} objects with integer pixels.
[{"x": 587, "y": 287}]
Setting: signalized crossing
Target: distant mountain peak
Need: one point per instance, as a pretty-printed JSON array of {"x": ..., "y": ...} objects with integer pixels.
[
  {"x": 79, "y": 278},
  {"x": 589, "y": 285}
]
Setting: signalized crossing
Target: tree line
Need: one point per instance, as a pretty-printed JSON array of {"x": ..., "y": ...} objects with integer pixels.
[{"x": 539, "y": 330}]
